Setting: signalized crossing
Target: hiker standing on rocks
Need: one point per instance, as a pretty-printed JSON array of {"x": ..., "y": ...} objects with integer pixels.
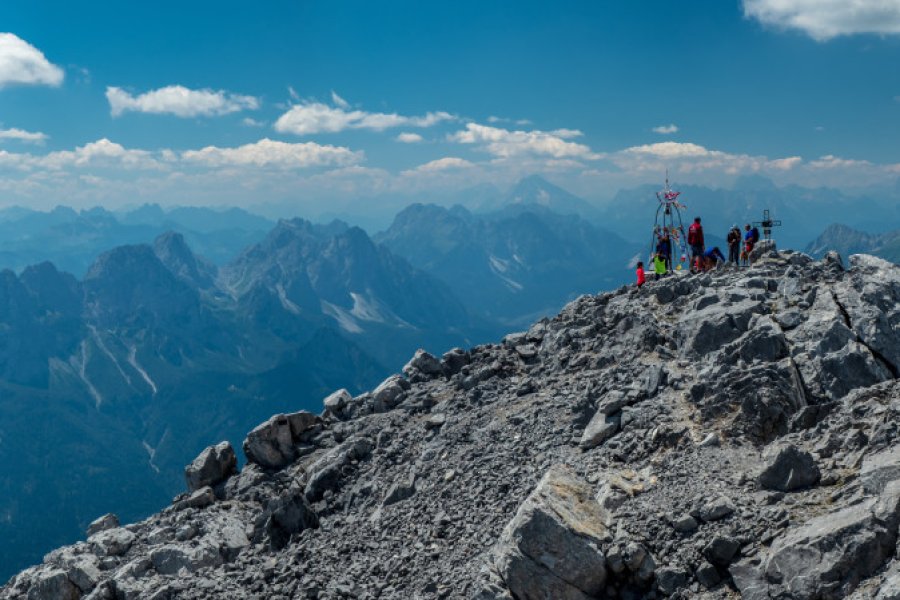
[
  {"x": 734, "y": 245},
  {"x": 695, "y": 240},
  {"x": 750, "y": 239},
  {"x": 641, "y": 278},
  {"x": 664, "y": 249},
  {"x": 660, "y": 267}
]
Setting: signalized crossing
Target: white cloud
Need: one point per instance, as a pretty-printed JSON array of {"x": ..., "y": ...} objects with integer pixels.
[
  {"x": 687, "y": 157},
  {"x": 826, "y": 19},
  {"x": 179, "y": 101},
  {"x": 22, "y": 63},
  {"x": 409, "y": 138},
  {"x": 315, "y": 117},
  {"x": 102, "y": 154},
  {"x": 444, "y": 164},
  {"x": 338, "y": 101},
  {"x": 666, "y": 129},
  {"x": 31, "y": 137},
  {"x": 504, "y": 143},
  {"x": 493, "y": 119},
  {"x": 248, "y": 122},
  {"x": 271, "y": 153}
]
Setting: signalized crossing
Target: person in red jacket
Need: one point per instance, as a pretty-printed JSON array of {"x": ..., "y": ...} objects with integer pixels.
[
  {"x": 695, "y": 240},
  {"x": 641, "y": 278}
]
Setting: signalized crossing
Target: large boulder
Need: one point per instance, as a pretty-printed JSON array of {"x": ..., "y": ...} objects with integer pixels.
[
  {"x": 336, "y": 402},
  {"x": 601, "y": 428},
  {"x": 273, "y": 444},
  {"x": 425, "y": 363},
  {"x": 552, "y": 547},
  {"x": 211, "y": 467},
  {"x": 326, "y": 473},
  {"x": 286, "y": 515},
  {"x": 107, "y": 521},
  {"x": 389, "y": 393},
  {"x": 53, "y": 584},
  {"x": 112, "y": 542},
  {"x": 880, "y": 469},
  {"x": 788, "y": 468},
  {"x": 761, "y": 249},
  {"x": 172, "y": 558},
  {"x": 707, "y": 329},
  {"x": 827, "y": 557}
]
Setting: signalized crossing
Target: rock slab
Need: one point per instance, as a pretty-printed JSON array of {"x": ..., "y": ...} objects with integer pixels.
[{"x": 552, "y": 547}]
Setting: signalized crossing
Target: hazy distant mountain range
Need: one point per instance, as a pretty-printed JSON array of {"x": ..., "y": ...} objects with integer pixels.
[
  {"x": 513, "y": 265},
  {"x": 847, "y": 240},
  {"x": 72, "y": 239}
]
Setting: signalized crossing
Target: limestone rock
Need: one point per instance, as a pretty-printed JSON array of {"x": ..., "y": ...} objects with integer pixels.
[
  {"x": 213, "y": 466},
  {"x": 53, "y": 585},
  {"x": 551, "y": 548},
  {"x": 828, "y": 556},
  {"x": 107, "y": 521},
  {"x": 112, "y": 542},
  {"x": 788, "y": 468},
  {"x": 879, "y": 469},
  {"x": 601, "y": 428},
  {"x": 272, "y": 444},
  {"x": 336, "y": 402},
  {"x": 424, "y": 363}
]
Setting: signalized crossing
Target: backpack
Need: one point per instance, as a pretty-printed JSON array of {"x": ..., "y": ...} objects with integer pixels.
[{"x": 754, "y": 235}]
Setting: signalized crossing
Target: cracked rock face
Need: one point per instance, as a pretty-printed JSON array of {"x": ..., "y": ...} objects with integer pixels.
[{"x": 728, "y": 434}]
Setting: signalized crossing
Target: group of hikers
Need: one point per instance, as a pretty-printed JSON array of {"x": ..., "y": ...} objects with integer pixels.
[{"x": 702, "y": 259}]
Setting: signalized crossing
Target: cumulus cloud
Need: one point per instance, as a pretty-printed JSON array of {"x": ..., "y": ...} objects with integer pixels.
[
  {"x": 826, "y": 19},
  {"x": 22, "y": 63},
  {"x": 409, "y": 138},
  {"x": 504, "y": 143},
  {"x": 31, "y": 137},
  {"x": 271, "y": 153},
  {"x": 101, "y": 154},
  {"x": 179, "y": 101},
  {"x": 315, "y": 117},
  {"x": 666, "y": 129},
  {"x": 444, "y": 164},
  {"x": 265, "y": 153},
  {"x": 687, "y": 157}
]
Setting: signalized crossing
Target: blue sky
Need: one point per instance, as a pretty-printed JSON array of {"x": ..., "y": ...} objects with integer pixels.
[{"x": 223, "y": 102}]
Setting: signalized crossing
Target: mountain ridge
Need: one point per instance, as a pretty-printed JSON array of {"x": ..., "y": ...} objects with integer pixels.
[{"x": 704, "y": 436}]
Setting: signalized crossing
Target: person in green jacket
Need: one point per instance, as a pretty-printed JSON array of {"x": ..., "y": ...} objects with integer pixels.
[{"x": 659, "y": 265}]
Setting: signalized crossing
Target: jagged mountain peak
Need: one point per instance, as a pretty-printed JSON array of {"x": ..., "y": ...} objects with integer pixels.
[
  {"x": 535, "y": 190},
  {"x": 731, "y": 431},
  {"x": 173, "y": 251}
]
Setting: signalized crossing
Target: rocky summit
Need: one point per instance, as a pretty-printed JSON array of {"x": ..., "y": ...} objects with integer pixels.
[{"x": 731, "y": 434}]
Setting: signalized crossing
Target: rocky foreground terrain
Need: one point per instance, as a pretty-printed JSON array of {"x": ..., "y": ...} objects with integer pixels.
[{"x": 732, "y": 434}]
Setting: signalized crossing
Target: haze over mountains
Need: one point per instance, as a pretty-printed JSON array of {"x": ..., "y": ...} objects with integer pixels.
[
  {"x": 72, "y": 239},
  {"x": 134, "y": 339}
]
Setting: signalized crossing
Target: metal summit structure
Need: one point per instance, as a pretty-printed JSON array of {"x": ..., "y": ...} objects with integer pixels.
[{"x": 668, "y": 222}]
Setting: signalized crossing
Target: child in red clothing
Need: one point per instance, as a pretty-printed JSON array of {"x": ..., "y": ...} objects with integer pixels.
[{"x": 640, "y": 274}]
